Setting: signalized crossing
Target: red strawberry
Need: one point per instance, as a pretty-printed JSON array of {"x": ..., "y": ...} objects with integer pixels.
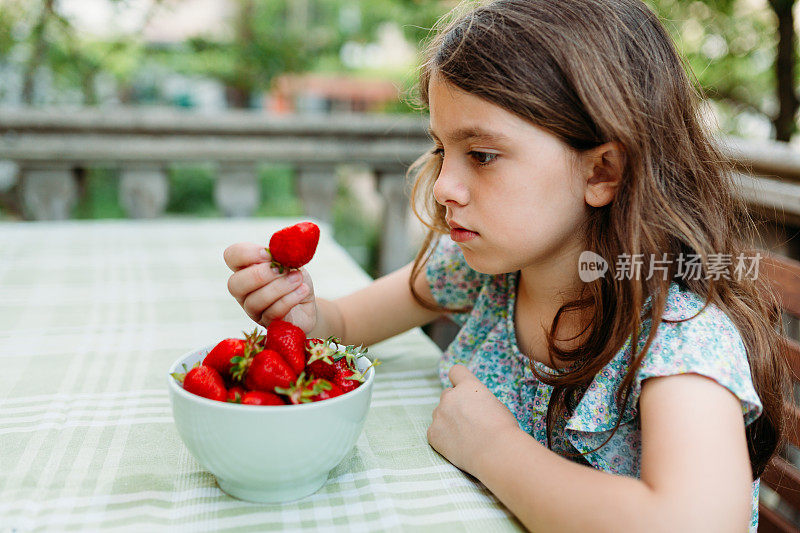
[
  {"x": 235, "y": 394},
  {"x": 206, "y": 382},
  {"x": 220, "y": 357},
  {"x": 307, "y": 390},
  {"x": 294, "y": 246},
  {"x": 253, "y": 343},
  {"x": 289, "y": 341},
  {"x": 347, "y": 378},
  {"x": 257, "y": 397},
  {"x": 268, "y": 370},
  {"x": 347, "y": 383},
  {"x": 321, "y": 355},
  {"x": 346, "y": 364},
  {"x": 322, "y": 369},
  {"x": 321, "y": 389}
]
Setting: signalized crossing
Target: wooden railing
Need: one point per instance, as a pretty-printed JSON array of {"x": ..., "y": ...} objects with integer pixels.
[
  {"x": 47, "y": 146},
  {"x": 780, "y": 494}
]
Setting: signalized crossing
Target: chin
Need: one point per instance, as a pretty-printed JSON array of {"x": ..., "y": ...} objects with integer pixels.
[{"x": 484, "y": 267}]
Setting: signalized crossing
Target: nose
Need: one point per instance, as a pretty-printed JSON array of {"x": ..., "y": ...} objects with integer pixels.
[{"x": 450, "y": 186}]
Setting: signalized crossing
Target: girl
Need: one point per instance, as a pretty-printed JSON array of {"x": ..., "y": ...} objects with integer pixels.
[{"x": 562, "y": 130}]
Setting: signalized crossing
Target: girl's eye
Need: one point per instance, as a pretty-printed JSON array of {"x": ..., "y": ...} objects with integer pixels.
[{"x": 483, "y": 158}]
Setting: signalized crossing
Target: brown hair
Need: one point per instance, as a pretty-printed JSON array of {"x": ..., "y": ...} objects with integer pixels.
[{"x": 590, "y": 72}]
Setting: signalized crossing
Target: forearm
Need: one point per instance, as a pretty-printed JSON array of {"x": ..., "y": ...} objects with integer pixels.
[
  {"x": 329, "y": 321},
  {"x": 382, "y": 309},
  {"x": 550, "y": 493},
  {"x": 695, "y": 474},
  {"x": 365, "y": 328}
]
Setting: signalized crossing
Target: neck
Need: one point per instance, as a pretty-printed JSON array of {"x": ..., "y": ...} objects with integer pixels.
[
  {"x": 552, "y": 282},
  {"x": 544, "y": 288}
]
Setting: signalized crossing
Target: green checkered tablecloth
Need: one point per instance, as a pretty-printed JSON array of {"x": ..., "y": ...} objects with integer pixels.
[{"x": 92, "y": 314}]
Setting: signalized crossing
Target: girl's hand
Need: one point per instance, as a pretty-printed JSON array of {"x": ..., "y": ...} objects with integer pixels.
[
  {"x": 266, "y": 295},
  {"x": 467, "y": 420}
]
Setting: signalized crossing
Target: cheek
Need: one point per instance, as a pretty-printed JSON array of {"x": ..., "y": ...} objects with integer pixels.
[
  {"x": 549, "y": 212},
  {"x": 546, "y": 201},
  {"x": 556, "y": 189}
]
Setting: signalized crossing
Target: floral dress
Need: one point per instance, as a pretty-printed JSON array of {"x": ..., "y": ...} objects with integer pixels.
[{"x": 708, "y": 344}]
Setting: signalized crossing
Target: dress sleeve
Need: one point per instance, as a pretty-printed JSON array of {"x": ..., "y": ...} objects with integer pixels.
[
  {"x": 708, "y": 344},
  {"x": 452, "y": 282}
]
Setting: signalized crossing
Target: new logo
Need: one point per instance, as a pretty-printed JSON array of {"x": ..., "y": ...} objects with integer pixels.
[{"x": 591, "y": 266}]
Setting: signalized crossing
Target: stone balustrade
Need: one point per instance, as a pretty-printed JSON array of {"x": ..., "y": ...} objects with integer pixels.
[{"x": 47, "y": 147}]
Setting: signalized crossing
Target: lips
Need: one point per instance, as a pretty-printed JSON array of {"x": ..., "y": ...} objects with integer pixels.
[
  {"x": 462, "y": 235},
  {"x": 455, "y": 225},
  {"x": 459, "y": 233}
]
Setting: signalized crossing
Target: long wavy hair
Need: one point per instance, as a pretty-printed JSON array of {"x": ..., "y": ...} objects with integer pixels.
[{"x": 590, "y": 72}]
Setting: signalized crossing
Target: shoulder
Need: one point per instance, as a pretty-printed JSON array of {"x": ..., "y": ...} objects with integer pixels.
[
  {"x": 699, "y": 338},
  {"x": 694, "y": 335},
  {"x": 686, "y": 305},
  {"x": 692, "y": 338}
]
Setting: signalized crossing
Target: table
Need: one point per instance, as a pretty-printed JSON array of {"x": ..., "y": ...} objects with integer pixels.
[{"x": 92, "y": 314}]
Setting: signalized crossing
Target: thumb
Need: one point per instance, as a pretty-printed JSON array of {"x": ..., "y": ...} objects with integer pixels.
[{"x": 459, "y": 374}]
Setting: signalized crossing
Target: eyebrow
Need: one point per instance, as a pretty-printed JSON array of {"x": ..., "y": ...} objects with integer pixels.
[{"x": 472, "y": 133}]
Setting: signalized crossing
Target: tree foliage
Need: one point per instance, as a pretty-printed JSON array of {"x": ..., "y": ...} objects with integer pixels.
[{"x": 730, "y": 45}]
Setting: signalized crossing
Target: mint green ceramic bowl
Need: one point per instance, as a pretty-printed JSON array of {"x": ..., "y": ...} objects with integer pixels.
[{"x": 269, "y": 453}]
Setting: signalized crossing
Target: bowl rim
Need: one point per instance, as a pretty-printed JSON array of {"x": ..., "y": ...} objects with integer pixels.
[{"x": 177, "y": 389}]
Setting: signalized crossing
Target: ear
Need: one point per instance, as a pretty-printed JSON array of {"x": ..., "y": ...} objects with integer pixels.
[{"x": 604, "y": 166}]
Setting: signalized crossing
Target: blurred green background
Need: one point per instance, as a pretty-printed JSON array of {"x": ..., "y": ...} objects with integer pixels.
[{"x": 296, "y": 56}]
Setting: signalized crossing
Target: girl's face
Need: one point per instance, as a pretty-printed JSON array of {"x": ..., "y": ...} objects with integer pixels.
[{"x": 512, "y": 184}]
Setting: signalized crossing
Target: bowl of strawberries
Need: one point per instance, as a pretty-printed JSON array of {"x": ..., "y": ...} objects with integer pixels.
[{"x": 271, "y": 414}]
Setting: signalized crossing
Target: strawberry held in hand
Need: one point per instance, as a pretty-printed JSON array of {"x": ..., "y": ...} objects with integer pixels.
[{"x": 294, "y": 246}]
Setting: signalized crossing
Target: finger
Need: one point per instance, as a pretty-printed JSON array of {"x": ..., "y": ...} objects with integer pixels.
[
  {"x": 251, "y": 278},
  {"x": 459, "y": 374},
  {"x": 243, "y": 254},
  {"x": 260, "y": 300},
  {"x": 282, "y": 307}
]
